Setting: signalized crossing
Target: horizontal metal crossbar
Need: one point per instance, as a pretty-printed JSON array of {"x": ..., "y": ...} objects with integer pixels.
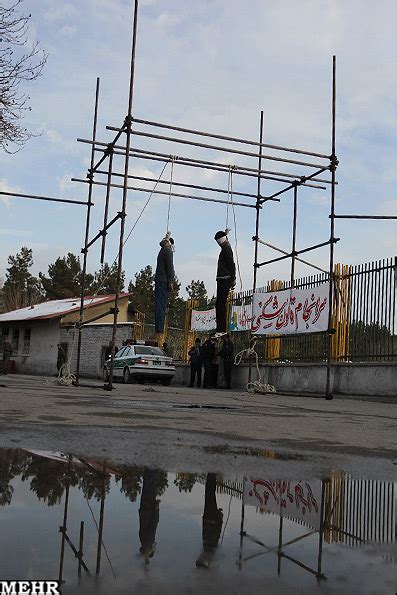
[
  {"x": 174, "y": 194},
  {"x": 47, "y": 198},
  {"x": 297, "y": 252},
  {"x": 188, "y": 161},
  {"x": 230, "y": 138},
  {"x": 182, "y": 141}
]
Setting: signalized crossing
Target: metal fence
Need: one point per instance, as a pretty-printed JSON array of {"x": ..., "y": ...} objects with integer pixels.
[{"x": 364, "y": 317}]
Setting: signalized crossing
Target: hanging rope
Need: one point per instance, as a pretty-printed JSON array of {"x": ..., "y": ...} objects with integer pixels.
[
  {"x": 257, "y": 386},
  {"x": 229, "y": 183},
  {"x": 235, "y": 226},
  {"x": 173, "y": 158},
  {"x": 102, "y": 283}
]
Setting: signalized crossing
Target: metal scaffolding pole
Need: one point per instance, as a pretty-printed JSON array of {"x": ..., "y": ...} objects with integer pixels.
[
  {"x": 128, "y": 131},
  {"x": 334, "y": 163},
  {"x": 87, "y": 231}
]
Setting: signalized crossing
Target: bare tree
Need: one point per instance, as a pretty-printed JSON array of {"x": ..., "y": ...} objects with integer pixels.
[{"x": 20, "y": 62}]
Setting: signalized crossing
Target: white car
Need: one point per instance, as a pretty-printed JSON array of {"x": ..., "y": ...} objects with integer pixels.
[{"x": 140, "y": 362}]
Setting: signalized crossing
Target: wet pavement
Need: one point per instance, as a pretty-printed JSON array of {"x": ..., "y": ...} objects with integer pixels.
[
  {"x": 196, "y": 490},
  {"x": 195, "y": 529}
]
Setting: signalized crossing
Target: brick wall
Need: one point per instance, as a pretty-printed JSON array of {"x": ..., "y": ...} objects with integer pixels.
[{"x": 95, "y": 338}]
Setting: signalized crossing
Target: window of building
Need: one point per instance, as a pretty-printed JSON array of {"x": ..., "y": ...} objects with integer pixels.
[
  {"x": 15, "y": 340},
  {"x": 26, "y": 341}
]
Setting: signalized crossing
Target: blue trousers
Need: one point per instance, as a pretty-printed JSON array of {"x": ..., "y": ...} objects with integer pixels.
[{"x": 160, "y": 305}]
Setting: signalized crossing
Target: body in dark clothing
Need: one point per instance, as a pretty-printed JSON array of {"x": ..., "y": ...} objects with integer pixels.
[
  {"x": 227, "y": 355},
  {"x": 163, "y": 280},
  {"x": 212, "y": 522},
  {"x": 196, "y": 363},
  {"x": 225, "y": 279},
  {"x": 148, "y": 513},
  {"x": 208, "y": 354}
]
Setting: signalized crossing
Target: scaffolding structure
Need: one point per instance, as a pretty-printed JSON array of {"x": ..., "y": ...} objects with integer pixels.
[{"x": 102, "y": 173}]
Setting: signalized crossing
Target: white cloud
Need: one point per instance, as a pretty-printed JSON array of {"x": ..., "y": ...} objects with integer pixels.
[
  {"x": 58, "y": 11},
  {"x": 5, "y": 186}
]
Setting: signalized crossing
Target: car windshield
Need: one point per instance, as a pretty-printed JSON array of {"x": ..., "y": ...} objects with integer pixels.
[{"x": 147, "y": 350}]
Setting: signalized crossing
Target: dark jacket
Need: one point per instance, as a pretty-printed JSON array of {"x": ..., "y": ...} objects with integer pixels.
[
  {"x": 227, "y": 351},
  {"x": 165, "y": 264},
  {"x": 195, "y": 354},
  {"x": 226, "y": 267},
  {"x": 208, "y": 351}
]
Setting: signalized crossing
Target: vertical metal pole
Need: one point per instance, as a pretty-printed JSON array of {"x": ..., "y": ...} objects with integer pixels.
[
  {"x": 294, "y": 236},
  {"x": 256, "y": 237},
  {"x": 280, "y": 542},
  {"x": 87, "y": 229},
  {"x": 128, "y": 120},
  {"x": 105, "y": 216},
  {"x": 320, "y": 541},
  {"x": 81, "y": 548},
  {"x": 240, "y": 557},
  {"x": 101, "y": 520},
  {"x": 63, "y": 528},
  {"x": 328, "y": 391}
]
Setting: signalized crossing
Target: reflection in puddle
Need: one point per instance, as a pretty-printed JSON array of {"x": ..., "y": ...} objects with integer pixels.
[{"x": 104, "y": 528}]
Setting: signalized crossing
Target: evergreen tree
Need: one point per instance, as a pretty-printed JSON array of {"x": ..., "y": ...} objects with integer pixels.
[
  {"x": 105, "y": 280},
  {"x": 64, "y": 279},
  {"x": 196, "y": 291},
  {"x": 20, "y": 288},
  {"x": 143, "y": 292}
]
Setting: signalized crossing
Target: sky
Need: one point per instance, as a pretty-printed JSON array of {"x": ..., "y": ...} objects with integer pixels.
[{"x": 209, "y": 65}]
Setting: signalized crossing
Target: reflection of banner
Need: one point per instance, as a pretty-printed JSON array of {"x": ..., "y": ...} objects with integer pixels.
[
  {"x": 203, "y": 320},
  {"x": 300, "y": 500},
  {"x": 240, "y": 318},
  {"x": 291, "y": 311}
]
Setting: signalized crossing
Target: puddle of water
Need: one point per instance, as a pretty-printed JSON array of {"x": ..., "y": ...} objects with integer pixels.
[{"x": 148, "y": 530}]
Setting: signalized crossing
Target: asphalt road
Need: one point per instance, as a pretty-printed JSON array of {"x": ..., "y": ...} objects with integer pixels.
[{"x": 206, "y": 429}]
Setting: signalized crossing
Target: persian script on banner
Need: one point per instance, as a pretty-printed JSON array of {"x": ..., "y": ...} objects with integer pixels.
[
  {"x": 299, "y": 500},
  {"x": 203, "y": 320},
  {"x": 291, "y": 311},
  {"x": 240, "y": 318}
]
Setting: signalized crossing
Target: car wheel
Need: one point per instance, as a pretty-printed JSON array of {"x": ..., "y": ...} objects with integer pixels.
[
  {"x": 126, "y": 376},
  {"x": 105, "y": 374},
  {"x": 166, "y": 381}
]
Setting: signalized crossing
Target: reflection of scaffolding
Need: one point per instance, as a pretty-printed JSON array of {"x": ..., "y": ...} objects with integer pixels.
[{"x": 353, "y": 511}]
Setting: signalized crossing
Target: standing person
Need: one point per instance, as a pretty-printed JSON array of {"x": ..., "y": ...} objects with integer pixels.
[
  {"x": 7, "y": 352},
  {"x": 196, "y": 363},
  {"x": 167, "y": 349},
  {"x": 215, "y": 365},
  {"x": 163, "y": 283},
  {"x": 227, "y": 355},
  {"x": 208, "y": 354},
  {"x": 225, "y": 280}
]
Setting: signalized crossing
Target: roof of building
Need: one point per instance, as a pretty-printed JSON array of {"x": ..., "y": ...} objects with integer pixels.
[{"x": 56, "y": 308}]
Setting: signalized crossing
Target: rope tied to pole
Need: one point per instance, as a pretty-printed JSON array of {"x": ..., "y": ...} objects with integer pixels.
[
  {"x": 65, "y": 376},
  {"x": 256, "y": 386}
]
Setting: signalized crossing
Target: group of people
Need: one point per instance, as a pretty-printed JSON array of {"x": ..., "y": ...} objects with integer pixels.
[
  {"x": 165, "y": 277},
  {"x": 214, "y": 356}
]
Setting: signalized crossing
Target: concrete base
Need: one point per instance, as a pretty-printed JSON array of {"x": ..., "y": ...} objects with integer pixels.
[{"x": 372, "y": 379}]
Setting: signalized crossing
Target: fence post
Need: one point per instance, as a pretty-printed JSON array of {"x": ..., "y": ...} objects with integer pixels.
[
  {"x": 341, "y": 312},
  {"x": 138, "y": 325},
  {"x": 189, "y": 336},
  {"x": 273, "y": 346}
]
